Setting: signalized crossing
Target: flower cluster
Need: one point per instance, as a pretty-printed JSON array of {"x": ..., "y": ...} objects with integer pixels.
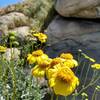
[
  {"x": 41, "y": 37},
  {"x": 58, "y": 71}
]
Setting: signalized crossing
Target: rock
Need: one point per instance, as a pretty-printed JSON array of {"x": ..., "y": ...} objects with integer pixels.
[
  {"x": 16, "y": 22},
  {"x": 12, "y": 20},
  {"x": 73, "y": 34},
  {"x": 21, "y": 32},
  {"x": 78, "y": 8},
  {"x": 41, "y": 11},
  {"x": 70, "y": 35},
  {"x": 11, "y": 54}
]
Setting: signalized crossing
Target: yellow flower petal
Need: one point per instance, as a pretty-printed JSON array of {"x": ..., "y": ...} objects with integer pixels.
[
  {"x": 52, "y": 82},
  {"x": 96, "y": 66},
  {"x": 3, "y": 49},
  {"x": 56, "y": 61},
  {"x": 42, "y": 37},
  {"x": 31, "y": 59},
  {"x": 75, "y": 63},
  {"x": 71, "y": 63},
  {"x": 66, "y": 56},
  {"x": 38, "y": 72},
  {"x": 62, "y": 80},
  {"x": 61, "y": 88},
  {"x": 37, "y": 53}
]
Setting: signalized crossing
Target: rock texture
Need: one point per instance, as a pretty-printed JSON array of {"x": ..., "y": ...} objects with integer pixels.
[
  {"x": 17, "y": 22},
  {"x": 21, "y": 32},
  {"x": 78, "y": 8},
  {"x": 24, "y": 16},
  {"x": 11, "y": 54},
  {"x": 38, "y": 10},
  {"x": 73, "y": 34},
  {"x": 70, "y": 35}
]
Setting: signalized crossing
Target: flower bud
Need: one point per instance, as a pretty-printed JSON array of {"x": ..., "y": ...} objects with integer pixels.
[
  {"x": 12, "y": 33},
  {"x": 12, "y": 38},
  {"x": 15, "y": 43}
]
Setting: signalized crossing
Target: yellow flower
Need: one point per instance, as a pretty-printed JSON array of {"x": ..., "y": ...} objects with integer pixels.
[
  {"x": 37, "y": 55},
  {"x": 42, "y": 37},
  {"x": 56, "y": 61},
  {"x": 44, "y": 62},
  {"x": 3, "y": 49},
  {"x": 31, "y": 59},
  {"x": 40, "y": 69},
  {"x": 96, "y": 66},
  {"x": 71, "y": 63},
  {"x": 66, "y": 56},
  {"x": 68, "y": 63},
  {"x": 62, "y": 80}
]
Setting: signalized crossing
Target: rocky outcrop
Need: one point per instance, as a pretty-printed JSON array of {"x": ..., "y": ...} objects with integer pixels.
[
  {"x": 73, "y": 34},
  {"x": 24, "y": 16},
  {"x": 37, "y": 10},
  {"x": 17, "y": 22},
  {"x": 13, "y": 20},
  {"x": 78, "y": 8}
]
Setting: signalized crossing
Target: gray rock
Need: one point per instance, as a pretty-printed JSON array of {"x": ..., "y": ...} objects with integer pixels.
[
  {"x": 69, "y": 35},
  {"x": 78, "y": 8},
  {"x": 11, "y": 54},
  {"x": 12, "y": 20},
  {"x": 16, "y": 22},
  {"x": 21, "y": 32},
  {"x": 73, "y": 34}
]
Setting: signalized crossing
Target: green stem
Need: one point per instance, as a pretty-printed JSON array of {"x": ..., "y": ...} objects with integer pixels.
[
  {"x": 4, "y": 78},
  {"x": 57, "y": 97},
  {"x": 86, "y": 75},
  {"x": 11, "y": 67},
  {"x": 74, "y": 97},
  {"x": 1, "y": 66},
  {"x": 78, "y": 62},
  {"x": 93, "y": 96},
  {"x": 82, "y": 70},
  {"x": 90, "y": 84},
  {"x": 82, "y": 98},
  {"x": 52, "y": 95},
  {"x": 93, "y": 75},
  {"x": 77, "y": 67},
  {"x": 66, "y": 98}
]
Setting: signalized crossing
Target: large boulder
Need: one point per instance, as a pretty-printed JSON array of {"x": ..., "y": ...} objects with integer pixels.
[
  {"x": 17, "y": 22},
  {"x": 73, "y": 34},
  {"x": 78, "y": 8},
  {"x": 12, "y": 20},
  {"x": 70, "y": 35}
]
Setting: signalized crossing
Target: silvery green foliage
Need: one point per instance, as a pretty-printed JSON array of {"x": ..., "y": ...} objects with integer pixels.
[{"x": 26, "y": 86}]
